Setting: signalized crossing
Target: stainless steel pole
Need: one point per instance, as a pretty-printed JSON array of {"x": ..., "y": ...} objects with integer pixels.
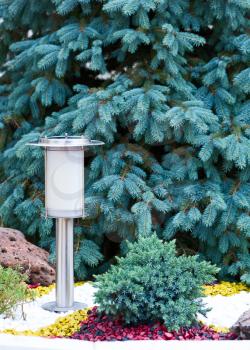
[
  {"x": 64, "y": 263},
  {"x": 64, "y": 269}
]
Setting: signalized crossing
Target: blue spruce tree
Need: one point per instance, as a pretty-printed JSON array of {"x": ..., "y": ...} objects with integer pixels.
[{"x": 165, "y": 84}]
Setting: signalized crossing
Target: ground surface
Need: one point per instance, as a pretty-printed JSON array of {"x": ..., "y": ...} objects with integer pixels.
[
  {"x": 36, "y": 317},
  {"x": 225, "y": 310},
  {"x": 8, "y": 342}
]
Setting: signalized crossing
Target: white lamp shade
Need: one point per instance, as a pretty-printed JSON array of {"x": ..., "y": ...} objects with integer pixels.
[
  {"x": 64, "y": 183},
  {"x": 64, "y": 174}
]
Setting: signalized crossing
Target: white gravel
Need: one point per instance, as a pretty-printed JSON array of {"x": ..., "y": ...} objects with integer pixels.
[
  {"x": 36, "y": 317},
  {"x": 225, "y": 310}
]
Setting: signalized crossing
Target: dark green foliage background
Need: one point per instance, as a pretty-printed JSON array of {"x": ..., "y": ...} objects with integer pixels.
[
  {"x": 165, "y": 84},
  {"x": 152, "y": 283}
]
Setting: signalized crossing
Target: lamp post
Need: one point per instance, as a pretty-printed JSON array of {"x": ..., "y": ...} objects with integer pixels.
[{"x": 64, "y": 200}]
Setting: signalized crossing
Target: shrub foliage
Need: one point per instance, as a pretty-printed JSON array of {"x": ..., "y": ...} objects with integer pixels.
[
  {"x": 13, "y": 290},
  {"x": 153, "y": 284}
]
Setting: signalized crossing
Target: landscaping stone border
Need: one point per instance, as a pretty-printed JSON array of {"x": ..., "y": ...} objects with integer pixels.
[{"x": 10, "y": 342}]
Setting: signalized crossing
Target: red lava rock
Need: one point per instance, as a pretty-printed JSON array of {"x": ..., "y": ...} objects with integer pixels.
[
  {"x": 101, "y": 327},
  {"x": 168, "y": 335},
  {"x": 34, "y": 286},
  {"x": 16, "y": 251}
]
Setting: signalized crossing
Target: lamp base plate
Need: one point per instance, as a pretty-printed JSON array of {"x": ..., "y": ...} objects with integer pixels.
[{"x": 52, "y": 306}]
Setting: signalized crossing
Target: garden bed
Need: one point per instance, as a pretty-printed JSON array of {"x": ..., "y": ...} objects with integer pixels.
[{"x": 226, "y": 300}]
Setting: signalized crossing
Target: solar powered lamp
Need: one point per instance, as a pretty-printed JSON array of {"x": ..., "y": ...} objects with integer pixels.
[{"x": 64, "y": 200}]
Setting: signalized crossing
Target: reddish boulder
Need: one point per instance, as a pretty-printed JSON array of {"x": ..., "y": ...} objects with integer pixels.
[{"x": 15, "y": 250}]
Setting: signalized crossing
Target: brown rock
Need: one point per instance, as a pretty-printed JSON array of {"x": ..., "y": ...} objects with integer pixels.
[
  {"x": 242, "y": 326},
  {"x": 15, "y": 250}
]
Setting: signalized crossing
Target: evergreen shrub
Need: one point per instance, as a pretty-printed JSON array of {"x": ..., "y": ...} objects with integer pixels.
[
  {"x": 153, "y": 284},
  {"x": 13, "y": 290}
]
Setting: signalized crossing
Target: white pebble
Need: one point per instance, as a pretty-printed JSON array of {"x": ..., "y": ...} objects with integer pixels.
[
  {"x": 224, "y": 310},
  {"x": 37, "y": 317}
]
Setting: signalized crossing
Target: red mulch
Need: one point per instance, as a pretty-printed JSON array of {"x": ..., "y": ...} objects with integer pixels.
[
  {"x": 100, "y": 327},
  {"x": 33, "y": 286}
]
